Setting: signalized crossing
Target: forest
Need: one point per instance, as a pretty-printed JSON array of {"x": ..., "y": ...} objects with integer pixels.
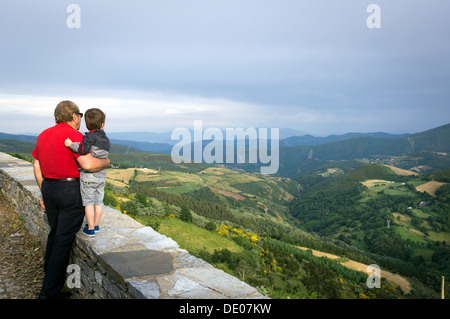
[
  {"x": 276, "y": 267},
  {"x": 338, "y": 218},
  {"x": 340, "y": 208}
]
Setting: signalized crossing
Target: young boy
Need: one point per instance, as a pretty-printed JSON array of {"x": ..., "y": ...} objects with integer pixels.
[{"x": 92, "y": 185}]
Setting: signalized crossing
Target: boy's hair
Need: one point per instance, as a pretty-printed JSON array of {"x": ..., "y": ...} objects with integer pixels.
[
  {"x": 64, "y": 111},
  {"x": 94, "y": 119}
]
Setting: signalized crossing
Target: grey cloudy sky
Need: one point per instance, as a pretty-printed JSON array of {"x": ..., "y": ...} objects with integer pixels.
[{"x": 310, "y": 65}]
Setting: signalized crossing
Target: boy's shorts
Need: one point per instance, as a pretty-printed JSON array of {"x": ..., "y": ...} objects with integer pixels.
[{"x": 92, "y": 189}]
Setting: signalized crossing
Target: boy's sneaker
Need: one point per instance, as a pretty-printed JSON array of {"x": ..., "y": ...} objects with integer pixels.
[
  {"x": 96, "y": 228},
  {"x": 89, "y": 232}
]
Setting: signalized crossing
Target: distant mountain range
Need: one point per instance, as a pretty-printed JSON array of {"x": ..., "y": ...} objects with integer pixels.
[
  {"x": 16, "y": 137},
  {"x": 298, "y": 154},
  {"x": 314, "y": 140},
  {"x": 433, "y": 144},
  {"x": 165, "y": 138},
  {"x": 162, "y": 143}
]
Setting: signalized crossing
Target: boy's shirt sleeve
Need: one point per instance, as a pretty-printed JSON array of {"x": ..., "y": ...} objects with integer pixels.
[
  {"x": 76, "y": 137},
  {"x": 76, "y": 147},
  {"x": 84, "y": 147},
  {"x": 99, "y": 152}
]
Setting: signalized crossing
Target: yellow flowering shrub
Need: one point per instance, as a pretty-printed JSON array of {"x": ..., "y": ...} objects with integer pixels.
[{"x": 227, "y": 231}]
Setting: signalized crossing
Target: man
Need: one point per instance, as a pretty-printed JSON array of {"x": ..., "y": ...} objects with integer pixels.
[{"x": 56, "y": 172}]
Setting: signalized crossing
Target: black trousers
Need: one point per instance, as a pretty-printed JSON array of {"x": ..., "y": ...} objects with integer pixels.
[{"x": 65, "y": 213}]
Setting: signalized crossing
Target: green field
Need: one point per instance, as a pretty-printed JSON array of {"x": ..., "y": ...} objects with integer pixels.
[
  {"x": 192, "y": 237},
  {"x": 260, "y": 193},
  {"x": 406, "y": 233},
  {"x": 377, "y": 188}
]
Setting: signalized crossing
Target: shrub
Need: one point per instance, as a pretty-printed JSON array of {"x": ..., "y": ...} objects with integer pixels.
[
  {"x": 153, "y": 223},
  {"x": 141, "y": 198},
  {"x": 129, "y": 207},
  {"x": 211, "y": 226},
  {"x": 185, "y": 214}
]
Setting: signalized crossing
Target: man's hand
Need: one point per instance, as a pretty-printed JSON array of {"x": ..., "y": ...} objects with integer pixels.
[
  {"x": 39, "y": 178},
  {"x": 42, "y": 204},
  {"x": 67, "y": 142}
]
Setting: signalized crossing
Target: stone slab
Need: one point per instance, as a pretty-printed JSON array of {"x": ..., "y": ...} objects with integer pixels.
[{"x": 130, "y": 264}]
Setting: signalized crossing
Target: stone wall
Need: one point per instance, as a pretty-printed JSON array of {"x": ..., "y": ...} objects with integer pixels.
[{"x": 125, "y": 259}]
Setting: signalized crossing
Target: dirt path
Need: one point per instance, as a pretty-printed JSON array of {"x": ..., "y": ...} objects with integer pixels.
[
  {"x": 392, "y": 278},
  {"x": 21, "y": 257}
]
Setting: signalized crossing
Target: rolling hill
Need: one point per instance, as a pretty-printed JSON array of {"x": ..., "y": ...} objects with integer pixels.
[
  {"x": 399, "y": 218},
  {"x": 427, "y": 151},
  {"x": 314, "y": 140},
  {"x": 254, "y": 201},
  {"x": 374, "y": 199}
]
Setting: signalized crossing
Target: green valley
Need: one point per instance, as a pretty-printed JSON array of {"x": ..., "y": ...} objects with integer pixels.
[
  {"x": 310, "y": 230},
  {"x": 373, "y": 214},
  {"x": 401, "y": 220}
]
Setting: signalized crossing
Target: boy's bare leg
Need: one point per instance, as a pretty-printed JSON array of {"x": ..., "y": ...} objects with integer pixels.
[
  {"x": 98, "y": 214},
  {"x": 90, "y": 213}
]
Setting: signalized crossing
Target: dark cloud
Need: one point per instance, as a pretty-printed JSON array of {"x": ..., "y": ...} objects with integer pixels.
[{"x": 303, "y": 63}]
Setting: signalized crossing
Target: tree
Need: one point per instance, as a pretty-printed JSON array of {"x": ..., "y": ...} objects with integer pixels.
[
  {"x": 109, "y": 200},
  {"x": 167, "y": 209},
  {"x": 185, "y": 214},
  {"x": 129, "y": 207},
  {"x": 211, "y": 226},
  {"x": 141, "y": 198}
]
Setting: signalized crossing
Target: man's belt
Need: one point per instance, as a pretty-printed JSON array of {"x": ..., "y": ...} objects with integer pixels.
[{"x": 71, "y": 179}]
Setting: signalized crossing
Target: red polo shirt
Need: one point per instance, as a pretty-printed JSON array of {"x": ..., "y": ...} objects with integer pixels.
[{"x": 56, "y": 160}]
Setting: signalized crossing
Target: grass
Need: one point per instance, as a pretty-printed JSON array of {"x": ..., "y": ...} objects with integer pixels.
[
  {"x": 191, "y": 237},
  {"x": 402, "y": 219},
  {"x": 374, "y": 187},
  {"x": 400, "y": 191},
  {"x": 184, "y": 188},
  {"x": 220, "y": 178},
  {"x": 416, "y": 183},
  {"x": 424, "y": 252},
  {"x": 408, "y": 234},
  {"x": 442, "y": 236},
  {"x": 270, "y": 192},
  {"x": 420, "y": 213},
  {"x": 405, "y": 229}
]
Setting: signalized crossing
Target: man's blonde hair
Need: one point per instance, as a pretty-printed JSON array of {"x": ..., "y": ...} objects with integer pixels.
[{"x": 64, "y": 111}]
